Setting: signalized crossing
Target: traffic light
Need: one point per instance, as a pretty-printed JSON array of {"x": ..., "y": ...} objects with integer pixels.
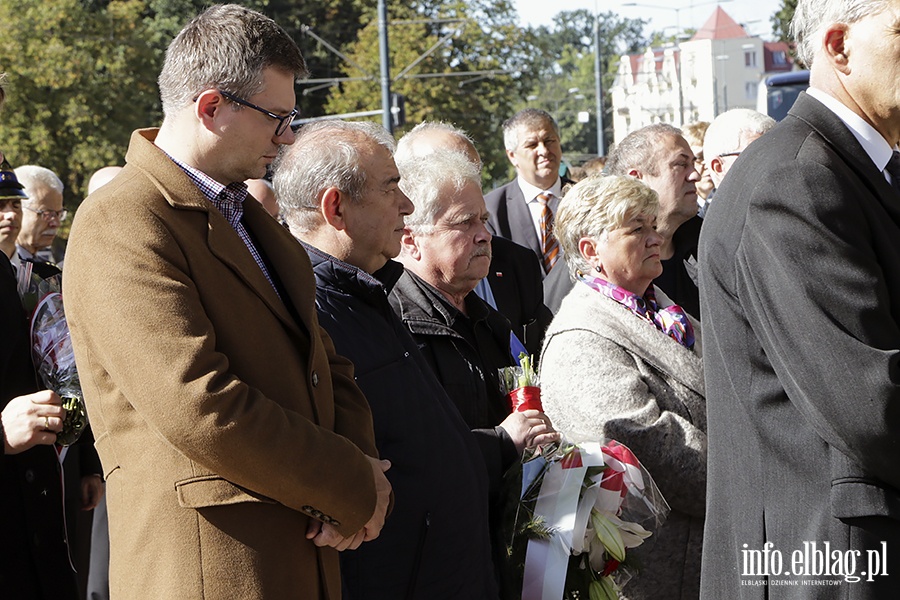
[{"x": 398, "y": 109}]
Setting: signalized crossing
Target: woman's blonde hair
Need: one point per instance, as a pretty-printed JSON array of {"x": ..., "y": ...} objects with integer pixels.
[{"x": 595, "y": 206}]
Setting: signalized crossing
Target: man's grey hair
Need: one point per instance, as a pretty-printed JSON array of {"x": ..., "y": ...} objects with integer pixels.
[
  {"x": 528, "y": 118},
  {"x": 640, "y": 150},
  {"x": 811, "y": 17},
  {"x": 325, "y": 154},
  {"x": 725, "y": 132},
  {"x": 595, "y": 206},
  {"x": 225, "y": 47},
  {"x": 694, "y": 132},
  {"x": 405, "y": 146},
  {"x": 427, "y": 179},
  {"x": 33, "y": 176}
]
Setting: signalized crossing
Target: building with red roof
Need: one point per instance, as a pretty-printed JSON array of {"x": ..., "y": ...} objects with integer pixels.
[{"x": 717, "y": 69}]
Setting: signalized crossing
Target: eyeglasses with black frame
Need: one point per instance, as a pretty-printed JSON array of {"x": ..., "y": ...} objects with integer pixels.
[
  {"x": 48, "y": 215},
  {"x": 724, "y": 154},
  {"x": 283, "y": 122}
]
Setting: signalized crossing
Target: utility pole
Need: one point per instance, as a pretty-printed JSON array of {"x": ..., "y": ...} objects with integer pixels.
[
  {"x": 386, "y": 119},
  {"x": 598, "y": 84}
]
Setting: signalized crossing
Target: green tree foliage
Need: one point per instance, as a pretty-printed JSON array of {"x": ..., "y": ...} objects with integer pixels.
[
  {"x": 336, "y": 22},
  {"x": 781, "y": 21},
  {"x": 77, "y": 85},
  {"x": 82, "y": 73},
  {"x": 165, "y": 18},
  {"x": 449, "y": 83},
  {"x": 564, "y": 82},
  {"x": 781, "y": 25}
]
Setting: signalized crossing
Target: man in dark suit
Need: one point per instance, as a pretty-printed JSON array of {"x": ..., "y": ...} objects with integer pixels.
[
  {"x": 800, "y": 282},
  {"x": 531, "y": 138}
]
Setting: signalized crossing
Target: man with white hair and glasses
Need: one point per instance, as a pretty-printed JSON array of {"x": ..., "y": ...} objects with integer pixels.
[
  {"x": 727, "y": 136},
  {"x": 800, "y": 297},
  {"x": 42, "y": 214}
]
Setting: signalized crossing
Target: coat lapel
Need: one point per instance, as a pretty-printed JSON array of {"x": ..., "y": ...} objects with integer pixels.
[
  {"x": 289, "y": 260},
  {"x": 520, "y": 223},
  {"x": 224, "y": 242},
  {"x": 842, "y": 141}
]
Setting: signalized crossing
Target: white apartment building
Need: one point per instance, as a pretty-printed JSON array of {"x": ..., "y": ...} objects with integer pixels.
[{"x": 719, "y": 68}]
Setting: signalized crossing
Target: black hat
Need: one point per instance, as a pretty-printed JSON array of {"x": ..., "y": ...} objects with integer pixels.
[{"x": 9, "y": 183}]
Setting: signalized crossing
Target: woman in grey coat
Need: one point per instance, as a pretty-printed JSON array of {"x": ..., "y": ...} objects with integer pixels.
[{"x": 622, "y": 362}]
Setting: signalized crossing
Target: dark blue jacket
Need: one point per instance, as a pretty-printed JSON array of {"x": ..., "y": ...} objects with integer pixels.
[{"x": 436, "y": 541}]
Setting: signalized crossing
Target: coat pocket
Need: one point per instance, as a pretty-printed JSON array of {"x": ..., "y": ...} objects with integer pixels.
[
  {"x": 108, "y": 460},
  {"x": 856, "y": 498},
  {"x": 212, "y": 490},
  {"x": 856, "y": 494}
]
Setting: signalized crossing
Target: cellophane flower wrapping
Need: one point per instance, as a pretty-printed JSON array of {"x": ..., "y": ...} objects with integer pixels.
[
  {"x": 51, "y": 349},
  {"x": 577, "y": 516}
]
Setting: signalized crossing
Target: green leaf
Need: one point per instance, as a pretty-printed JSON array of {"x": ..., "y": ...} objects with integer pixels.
[
  {"x": 609, "y": 535},
  {"x": 603, "y": 589}
]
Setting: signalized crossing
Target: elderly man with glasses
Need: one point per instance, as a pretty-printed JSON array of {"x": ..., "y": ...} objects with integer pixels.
[
  {"x": 42, "y": 214},
  {"x": 729, "y": 135}
]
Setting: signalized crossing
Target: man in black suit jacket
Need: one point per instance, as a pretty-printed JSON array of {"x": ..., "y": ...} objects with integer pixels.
[
  {"x": 515, "y": 282},
  {"x": 800, "y": 289},
  {"x": 531, "y": 138}
]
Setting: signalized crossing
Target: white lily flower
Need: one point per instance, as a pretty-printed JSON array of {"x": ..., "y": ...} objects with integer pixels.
[{"x": 633, "y": 535}]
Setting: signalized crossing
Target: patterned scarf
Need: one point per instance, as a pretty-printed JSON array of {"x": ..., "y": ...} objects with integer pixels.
[{"x": 671, "y": 320}]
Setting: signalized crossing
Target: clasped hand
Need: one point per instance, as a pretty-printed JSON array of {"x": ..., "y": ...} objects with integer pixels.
[{"x": 323, "y": 534}]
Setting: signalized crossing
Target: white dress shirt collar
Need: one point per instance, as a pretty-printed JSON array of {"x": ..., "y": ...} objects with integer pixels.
[
  {"x": 535, "y": 208},
  {"x": 868, "y": 137},
  {"x": 531, "y": 192}
]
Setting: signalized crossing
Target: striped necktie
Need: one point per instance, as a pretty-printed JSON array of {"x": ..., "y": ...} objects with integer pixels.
[
  {"x": 549, "y": 243},
  {"x": 893, "y": 169}
]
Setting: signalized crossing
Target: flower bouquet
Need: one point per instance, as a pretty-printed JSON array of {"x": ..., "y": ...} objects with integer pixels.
[
  {"x": 521, "y": 386},
  {"x": 574, "y": 512},
  {"x": 51, "y": 349}
]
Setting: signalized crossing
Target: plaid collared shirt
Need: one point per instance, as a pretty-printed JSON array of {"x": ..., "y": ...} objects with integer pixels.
[{"x": 229, "y": 200}]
